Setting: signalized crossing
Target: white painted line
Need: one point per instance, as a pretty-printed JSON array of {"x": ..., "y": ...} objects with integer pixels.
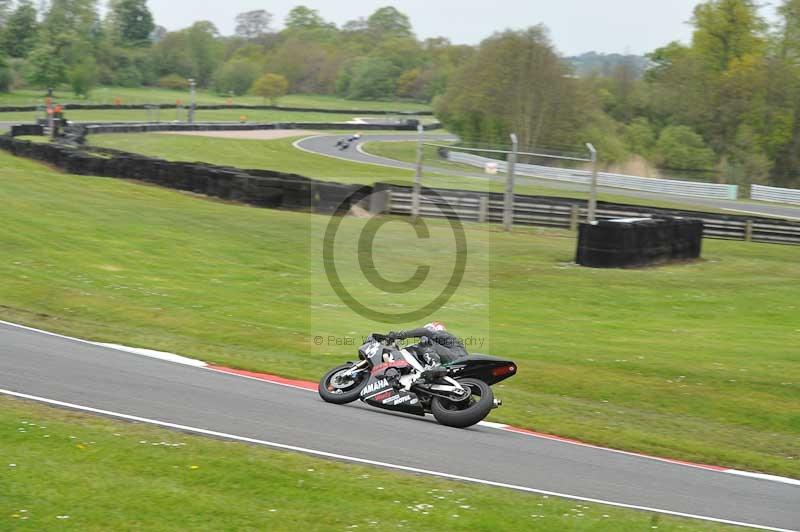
[
  {"x": 161, "y": 355},
  {"x": 366, "y": 461},
  {"x": 765, "y": 215},
  {"x": 764, "y": 476}
]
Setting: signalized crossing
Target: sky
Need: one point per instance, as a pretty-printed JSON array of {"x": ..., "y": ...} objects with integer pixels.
[{"x": 576, "y": 26}]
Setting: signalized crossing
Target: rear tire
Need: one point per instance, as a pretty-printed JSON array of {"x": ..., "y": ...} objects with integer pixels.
[
  {"x": 342, "y": 396},
  {"x": 461, "y": 415}
]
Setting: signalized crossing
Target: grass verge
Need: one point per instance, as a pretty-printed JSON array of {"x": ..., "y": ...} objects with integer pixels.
[
  {"x": 695, "y": 361},
  {"x": 276, "y": 154},
  {"x": 138, "y": 477}
]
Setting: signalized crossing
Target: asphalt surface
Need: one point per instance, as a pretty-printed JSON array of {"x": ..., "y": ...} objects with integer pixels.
[
  {"x": 75, "y": 372},
  {"x": 325, "y": 145}
]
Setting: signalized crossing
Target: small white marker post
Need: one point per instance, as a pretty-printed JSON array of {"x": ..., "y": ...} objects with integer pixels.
[
  {"x": 591, "y": 216},
  {"x": 415, "y": 195}
]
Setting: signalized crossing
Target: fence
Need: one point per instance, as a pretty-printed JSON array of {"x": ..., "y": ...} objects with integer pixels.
[
  {"x": 567, "y": 213},
  {"x": 778, "y": 195},
  {"x": 665, "y": 186}
]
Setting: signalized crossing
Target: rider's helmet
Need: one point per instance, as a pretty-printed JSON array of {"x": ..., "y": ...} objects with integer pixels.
[{"x": 435, "y": 326}]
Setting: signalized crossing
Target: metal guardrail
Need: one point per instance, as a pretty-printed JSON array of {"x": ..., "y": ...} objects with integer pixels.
[
  {"x": 778, "y": 195},
  {"x": 605, "y": 179},
  {"x": 566, "y": 213}
]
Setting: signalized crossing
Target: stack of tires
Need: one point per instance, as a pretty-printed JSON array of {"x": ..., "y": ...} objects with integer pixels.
[{"x": 636, "y": 242}]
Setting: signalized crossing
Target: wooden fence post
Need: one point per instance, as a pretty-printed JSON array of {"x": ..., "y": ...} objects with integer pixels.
[
  {"x": 574, "y": 217},
  {"x": 748, "y": 231},
  {"x": 483, "y": 209}
]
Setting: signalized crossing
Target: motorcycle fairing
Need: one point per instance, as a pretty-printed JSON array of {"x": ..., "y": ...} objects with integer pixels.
[{"x": 489, "y": 369}]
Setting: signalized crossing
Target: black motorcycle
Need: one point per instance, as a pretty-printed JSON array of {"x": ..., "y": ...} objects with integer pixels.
[{"x": 458, "y": 394}]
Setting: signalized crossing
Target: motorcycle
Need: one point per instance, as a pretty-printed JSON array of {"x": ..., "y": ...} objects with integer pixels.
[{"x": 388, "y": 376}]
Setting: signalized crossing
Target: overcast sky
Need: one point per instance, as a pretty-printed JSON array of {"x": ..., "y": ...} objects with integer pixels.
[{"x": 576, "y": 26}]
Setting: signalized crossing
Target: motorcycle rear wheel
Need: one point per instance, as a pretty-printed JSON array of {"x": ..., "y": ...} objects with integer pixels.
[
  {"x": 346, "y": 394},
  {"x": 465, "y": 413}
]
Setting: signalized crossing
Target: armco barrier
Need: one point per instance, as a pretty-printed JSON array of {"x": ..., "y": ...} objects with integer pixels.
[
  {"x": 775, "y": 194},
  {"x": 566, "y": 212},
  {"x": 636, "y": 242},
  {"x": 604, "y": 179},
  {"x": 211, "y": 107}
]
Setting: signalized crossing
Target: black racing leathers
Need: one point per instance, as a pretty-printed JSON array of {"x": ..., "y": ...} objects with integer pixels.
[{"x": 448, "y": 346}]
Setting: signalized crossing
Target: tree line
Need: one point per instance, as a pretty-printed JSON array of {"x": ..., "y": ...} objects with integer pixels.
[
  {"x": 727, "y": 103},
  {"x": 68, "y": 42}
]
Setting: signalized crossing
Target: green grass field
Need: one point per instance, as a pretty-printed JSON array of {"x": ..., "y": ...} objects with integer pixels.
[
  {"x": 695, "y": 361},
  {"x": 76, "y": 472},
  {"x": 277, "y": 154},
  {"x": 148, "y": 95}
]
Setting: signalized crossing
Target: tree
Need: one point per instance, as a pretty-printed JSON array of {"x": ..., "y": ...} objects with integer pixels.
[
  {"x": 373, "y": 78},
  {"x": 6, "y": 77},
  {"x": 680, "y": 148},
  {"x": 515, "y": 82},
  {"x": 5, "y": 11},
  {"x": 388, "y": 22},
  {"x": 302, "y": 18},
  {"x": 235, "y": 76},
  {"x": 83, "y": 77},
  {"x": 270, "y": 87},
  {"x": 45, "y": 67},
  {"x": 19, "y": 34},
  {"x": 195, "y": 52},
  {"x": 253, "y": 25},
  {"x": 726, "y": 30},
  {"x": 131, "y": 22}
]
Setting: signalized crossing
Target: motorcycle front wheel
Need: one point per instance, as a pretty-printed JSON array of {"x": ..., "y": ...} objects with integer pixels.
[
  {"x": 465, "y": 413},
  {"x": 338, "y": 388}
]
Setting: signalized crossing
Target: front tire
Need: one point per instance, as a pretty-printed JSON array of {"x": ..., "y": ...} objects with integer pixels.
[
  {"x": 465, "y": 413},
  {"x": 341, "y": 393}
]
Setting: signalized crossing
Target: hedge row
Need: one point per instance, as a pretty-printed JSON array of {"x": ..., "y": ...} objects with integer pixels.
[
  {"x": 263, "y": 188},
  {"x": 103, "y": 107}
]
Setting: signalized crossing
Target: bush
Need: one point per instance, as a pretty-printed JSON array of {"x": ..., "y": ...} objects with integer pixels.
[
  {"x": 680, "y": 148},
  {"x": 174, "y": 82},
  {"x": 235, "y": 76},
  {"x": 270, "y": 87},
  {"x": 83, "y": 77}
]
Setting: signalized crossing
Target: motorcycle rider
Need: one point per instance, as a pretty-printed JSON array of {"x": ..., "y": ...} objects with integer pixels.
[{"x": 446, "y": 346}]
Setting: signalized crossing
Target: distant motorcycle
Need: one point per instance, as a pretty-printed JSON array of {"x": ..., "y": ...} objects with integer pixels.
[
  {"x": 343, "y": 144},
  {"x": 458, "y": 394}
]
